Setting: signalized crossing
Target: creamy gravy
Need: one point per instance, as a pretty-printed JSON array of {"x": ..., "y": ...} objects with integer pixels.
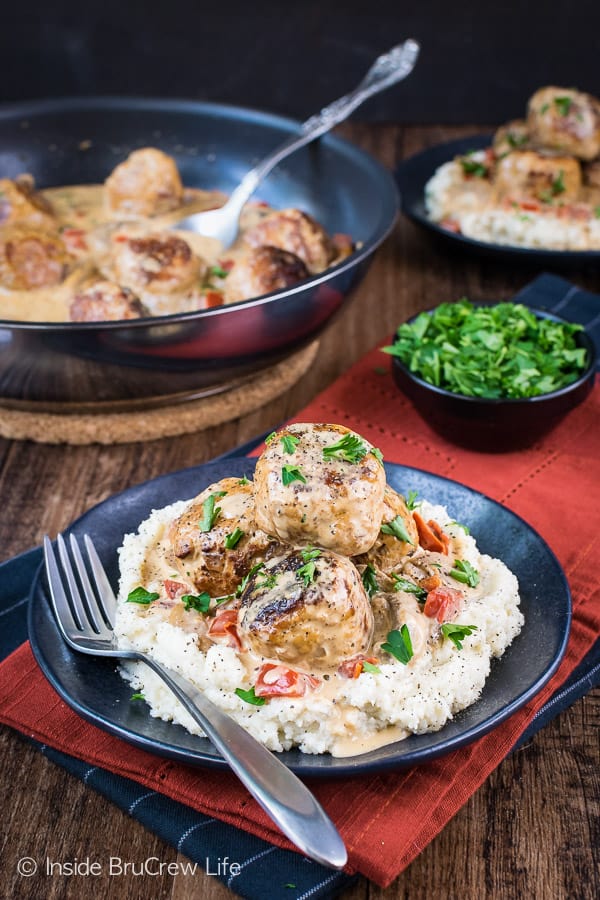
[{"x": 84, "y": 220}]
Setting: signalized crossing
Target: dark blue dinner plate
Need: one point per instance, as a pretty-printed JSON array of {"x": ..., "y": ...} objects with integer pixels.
[
  {"x": 413, "y": 174},
  {"x": 94, "y": 688}
]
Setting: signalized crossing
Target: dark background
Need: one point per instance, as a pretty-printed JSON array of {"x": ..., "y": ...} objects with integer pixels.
[{"x": 479, "y": 63}]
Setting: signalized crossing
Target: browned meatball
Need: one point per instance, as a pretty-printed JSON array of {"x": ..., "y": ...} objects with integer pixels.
[
  {"x": 526, "y": 175},
  {"x": 261, "y": 271},
  {"x": 390, "y": 548},
  {"x": 306, "y": 607},
  {"x": 31, "y": 259},
  {"x": 21, "y": 205},
  {"x": 105, "y": 301},
  {"x": 159, "y": 263},
  {"x": 565, "y": 120},
  {"x": 296, "y": 232},
  {"x": 146, "y": 184},
  {"x": 591, "y": 174},
  {"x": 512, "y": 136},
  {"x": 206, "y": 542},
  {"x": 321, "y": 484}
]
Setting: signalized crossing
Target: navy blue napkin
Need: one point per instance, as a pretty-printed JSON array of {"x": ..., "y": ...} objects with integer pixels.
[{"x": 267, "y": 871}]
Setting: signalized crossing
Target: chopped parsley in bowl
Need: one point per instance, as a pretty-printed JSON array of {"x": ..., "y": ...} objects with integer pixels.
[{"x": 493, "y": 377}]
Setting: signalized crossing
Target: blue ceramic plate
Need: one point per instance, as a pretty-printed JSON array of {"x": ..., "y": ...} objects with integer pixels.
[
  {"x": 96, "y": 691},
  {"x": 413, "y": 174}
]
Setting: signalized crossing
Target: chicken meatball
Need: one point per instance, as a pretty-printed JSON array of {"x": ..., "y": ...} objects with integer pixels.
[
  {"x": 512, "y": 136},
  {"x": 105, "y": 301},
  {"x": 320, "y": 484},
  {"x": 216, "y": 540},
  {"x": 398, "y": 539},
  {"x": 31, "y": 259},
  {"x": 296, "y": 232},
  {"x": 565, "y": 120},
  {"x": 261, "y": 271},
  {"x": 159, "y": 263},
  {"x": 527, "y": 175},
  {"x": 146, "y": 184},
  {"x": 21, "y": 205},
  {"x": 306, "y": 607}
]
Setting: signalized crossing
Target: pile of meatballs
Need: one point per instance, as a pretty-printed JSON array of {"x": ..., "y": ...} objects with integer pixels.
[
  {"x": 132, "y": 266},
  {"x": 551, "y": 159},
  {"x": 309, "y": 579}
]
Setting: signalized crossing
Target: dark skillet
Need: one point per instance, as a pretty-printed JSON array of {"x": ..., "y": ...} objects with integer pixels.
[{"x": 214, "y": 145}]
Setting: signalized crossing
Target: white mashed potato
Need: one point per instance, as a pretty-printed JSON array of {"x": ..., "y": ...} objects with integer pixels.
[
  {"x": 343, "y": 716},
  {"x": 468, "y": 204}
]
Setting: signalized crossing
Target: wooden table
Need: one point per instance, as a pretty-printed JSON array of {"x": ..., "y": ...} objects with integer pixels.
[{"x": 528, "y": 832}]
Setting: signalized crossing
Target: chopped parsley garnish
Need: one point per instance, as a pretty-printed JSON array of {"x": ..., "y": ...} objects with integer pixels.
[
  {"x": 597, "y": 212},
  {"x": 309, "y": 553},
  {"x": 250, "y": 697},
  {"x": 292, "y": 473},
  {"x": 377, "y": 454},
  {"x": 137, "y": 696},
  {"x": 544, "y": 109},
  {"x": 243, "y": 480},
  {"x": 198, "y": 602},
  {"x": 497, "y": 351},
  {"x": 398, "y": 529},
  {"x": 558, "y": 183},
  {"x": 457, "y": 633},
  {"x": 210, "y": 513},
  {"x": 141, "y": 595},
  {"x": 350, "y": 448},
  {"x": 403, "y": 584},
  {"x": 256, "y": 568},
  {"x": 472, "y": 167},
  {"x": 563, "y": 105},
  {"x": 269, "y": 582},
  {"x": 399, "y": 644},
  {"x": 465, "y": 528},
  {"x": 233, "y": 539},
  {"x": 516, "y": 140},
  {"x": 270, "y": 437},
  {"x": 369, "y": 667},
  {"x": 218, "y": 272},
  {"x": 289, "y": 442},
  {"x": 369, "y": 580},
  {"x": 464, "y": 572},
  {"x": 411, "y": 501},
  {"x": 307, "y": 573}
]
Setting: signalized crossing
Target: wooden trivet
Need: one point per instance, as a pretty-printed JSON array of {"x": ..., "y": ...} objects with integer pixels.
[{"x": 181, "y": 417}]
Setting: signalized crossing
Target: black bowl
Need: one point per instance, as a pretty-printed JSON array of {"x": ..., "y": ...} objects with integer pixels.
[
  {"x": 496, "y": 425},
  {"x": 79, "y": 141}
]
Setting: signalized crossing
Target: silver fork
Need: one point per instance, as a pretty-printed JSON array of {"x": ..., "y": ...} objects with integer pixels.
[
  {"x": 389, "y": 68},
  {"x": 85, "y": 613}
]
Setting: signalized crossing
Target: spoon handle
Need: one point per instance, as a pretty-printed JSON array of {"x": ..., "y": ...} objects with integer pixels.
[{"x": 387, "y": 69}]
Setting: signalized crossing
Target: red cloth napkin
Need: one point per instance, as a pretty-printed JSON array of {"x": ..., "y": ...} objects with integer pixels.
[{"x": 387, "y": 819}]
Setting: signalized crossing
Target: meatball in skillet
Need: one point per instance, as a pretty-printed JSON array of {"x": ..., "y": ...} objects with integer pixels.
[
  {"x": 320, "y": 484},
  {"x": 159, "y": 263},
  {"x": 306, "y": 607},
  {"x": 399, "y": 538},
  {"x": 105, "y": 301},
  {"x": 527, "y": 175},
  {"x": 21, "y": 205},
  {"x": 261, "y": 271},
  {"x": 296, "y": 232},
  {"x": 216, "y": 540},
  {"x": 31, "y": 258},
  {"x": 146, "y": 184}
]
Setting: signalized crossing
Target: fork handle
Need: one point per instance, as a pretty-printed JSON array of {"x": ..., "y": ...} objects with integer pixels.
[{"x": 280, "y": 793}]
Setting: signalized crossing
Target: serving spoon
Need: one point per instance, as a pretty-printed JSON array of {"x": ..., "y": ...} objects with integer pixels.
[{"x": 223, "y": 223}]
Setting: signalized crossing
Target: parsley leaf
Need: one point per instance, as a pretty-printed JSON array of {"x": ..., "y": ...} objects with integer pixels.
[
  {"x": 309, "y": 553},
  {"x": 255, "y": 568},
  {"x": 199, "y": 602},
  {"x": 369, "y": 581},
  {"x": 544, "y": 109},
  {"x": 292, "y": 473},
  {"x": 289, "y": 442},
  {"x": 141, "y": 595},
  {"x": 464, "y": 572},
  {"x": 558, "y": 183},
  {"x": 250, "y": 697},
  {"x": 307, "y": 573},
  {"x": 597, "y": 212},
  {"x": 233, "y": 539},
  {"x": 137, "y": 696},
  {"x": 350, "y": 448},
  {"x": 403, "y": 584},
  {"x": 209, "y": 512},
  {"x": 377, "y": 454},
  {"x": 457, "y": 633},
  {"x": 465, "y": 528},
  {"x": 218, "y": 272},
  {"x": 563, "y": 105},
  {"x": 270, "y": 437},
  {"x": 398, "y": 529},
  {"x": 369, "y": 667},
  {"x": 243, "y": 480},
  {"x": 411, "y": 501},
  {"x": 399, "y": 644},
  {"x": 269, "y": 582},
  {"x": 472, "y": 167}
]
